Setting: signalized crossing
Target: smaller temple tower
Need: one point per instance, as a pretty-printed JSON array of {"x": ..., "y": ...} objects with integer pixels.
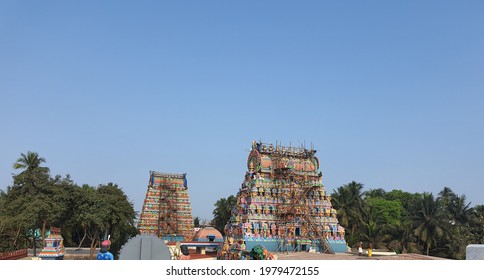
[
  {"x": 54, "y": 246},
  {"x": 166, "y": 211}
]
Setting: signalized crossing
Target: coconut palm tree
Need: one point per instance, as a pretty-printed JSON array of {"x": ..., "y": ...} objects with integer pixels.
[
  {"x": 446, "y": 194},
  {"x": 30, "y": 162},
  {"x": 347, "y": 199},
  {"x": 374, "y": 193},
  {"x": 458, "y": 214},
  {"x": 476, "y": 224},
  {"x": 223, "y": 211},
  {"x": 373, "y": 229},
  {"x": 402, "y": 238},
  {"x": 429, "y": 221},
  {"x": 459, "y": 210},
  {"x": 32, "y": 180}
]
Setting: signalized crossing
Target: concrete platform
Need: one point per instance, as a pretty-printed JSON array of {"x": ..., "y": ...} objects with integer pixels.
[{"x": 350, "y": 256}]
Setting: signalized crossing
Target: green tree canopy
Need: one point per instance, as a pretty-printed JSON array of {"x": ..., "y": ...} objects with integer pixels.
[
  {"x": 37, "y": 201},
  {"x": 117, "y": 215},
  {"x": 347, "y": 200},
  {"x": 389, "y": 212},
  {"x": 429, "y": 221},
  {"x": 196, "y": 222},
  {"x": 30, "y": 161},
  {"x": 29, "y": 200},
  {"x": 223, "y": 212}
]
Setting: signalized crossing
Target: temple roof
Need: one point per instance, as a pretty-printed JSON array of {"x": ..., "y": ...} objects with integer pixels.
[
  {"x": 168, "y": 175},
  {"x": 287, "y": 151},
  {"x": 208, "y": 231}
]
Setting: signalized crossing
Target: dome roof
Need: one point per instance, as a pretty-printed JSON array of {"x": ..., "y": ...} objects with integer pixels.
[{"x": 208, "y": 231}]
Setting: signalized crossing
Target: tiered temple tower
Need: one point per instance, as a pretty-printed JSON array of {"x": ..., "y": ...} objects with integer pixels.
[
  {"x": 282, "y": 203},
  {"x": 166, "y": 209}
]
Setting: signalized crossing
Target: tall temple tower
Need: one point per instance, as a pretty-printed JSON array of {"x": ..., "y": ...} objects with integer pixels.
[
  {"x": 282, "y": 203},
  {"x": 166, "y": 209}
]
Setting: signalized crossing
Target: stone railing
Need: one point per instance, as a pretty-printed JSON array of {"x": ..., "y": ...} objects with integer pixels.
[{"x": 15, "y": 255}]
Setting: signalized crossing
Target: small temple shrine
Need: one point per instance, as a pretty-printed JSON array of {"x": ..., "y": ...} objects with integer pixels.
[
  {"x": 282, "y": 204},
  {"x": 166, "y": 211},
  {"x": 54, "y": 246}
]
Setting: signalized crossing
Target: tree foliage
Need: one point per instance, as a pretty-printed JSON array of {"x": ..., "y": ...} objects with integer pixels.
[
  {"x": 36, "y": 201},
  {"x": 410, "y": 222},
  {"x": 222, "y": 212},
  {"x": 29, "y": 202},
  {"x": 429, "y": 221},
  {"x": 196, "y": 222},
  {"x": 349, "y": 202},
  {"x": 30, "y": 162},
  {"x": 388, "y": 212}
]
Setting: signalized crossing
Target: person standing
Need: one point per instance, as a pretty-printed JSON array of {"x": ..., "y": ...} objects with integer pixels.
[
  {"x": 185, "y": 254},
  {"x": 104, "y": 253},
  {"x": 360, "y": 248},
  {"x": 370, "y": 250}
]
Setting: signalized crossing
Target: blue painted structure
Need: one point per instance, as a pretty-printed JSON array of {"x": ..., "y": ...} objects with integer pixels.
[
  {"x": 210, "y": 238},
  {"x": 278, "y": 245},
  {"x": 173, "y": 238}
]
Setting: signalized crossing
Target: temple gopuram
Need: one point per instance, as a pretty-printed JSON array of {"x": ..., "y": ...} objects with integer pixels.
[
  {"x": 282, "y": 204},
  {"x": 166, "y": 210}
]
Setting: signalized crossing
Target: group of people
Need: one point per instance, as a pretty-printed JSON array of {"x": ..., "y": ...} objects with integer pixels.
[{"x": 360, "y": 249}]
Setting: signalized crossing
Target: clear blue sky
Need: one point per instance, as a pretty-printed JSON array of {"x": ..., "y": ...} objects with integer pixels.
[{"x": 390, "y": 93}]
